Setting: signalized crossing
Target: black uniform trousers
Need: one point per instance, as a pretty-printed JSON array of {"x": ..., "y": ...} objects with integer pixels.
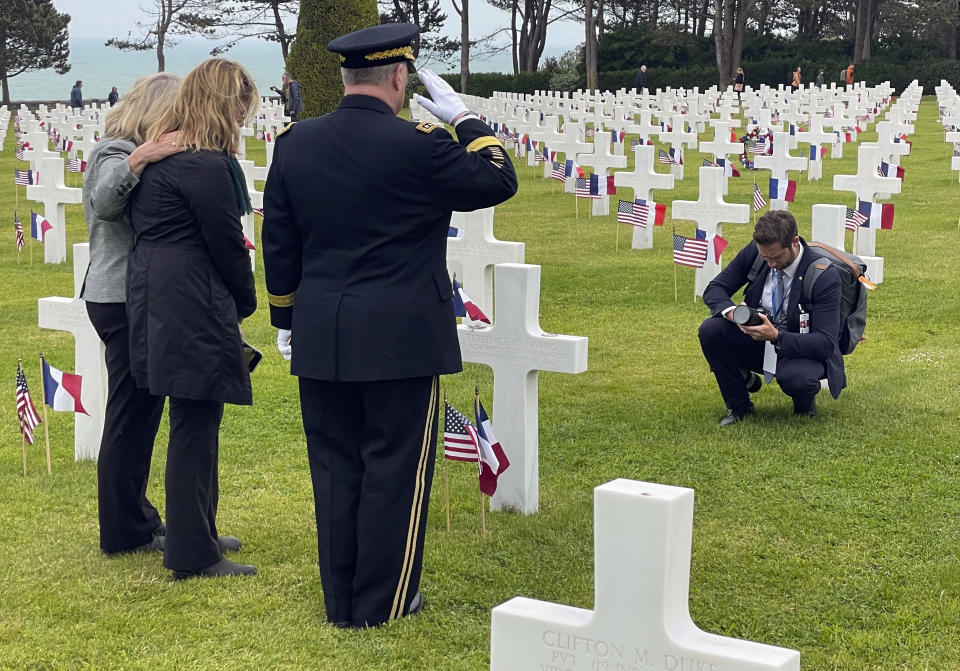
[
  {"x": 371, "y": 447},
  {"x": 131, "y": 419},
  {"x": 192, "y": 485},
  {"x": 729, "y": 350}
]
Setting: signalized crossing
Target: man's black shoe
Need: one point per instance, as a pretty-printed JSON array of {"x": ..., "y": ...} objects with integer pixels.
[
  {"x": 160, "y": 530},
  {"x": 734, "y": 416},
  {"x": 155, "y": 545},
  {"x": 753, "y": 381},
  {"x": 229, "y": 543},
  {"x": 416, "y": 605},
  {"x": 222, "y": 569},
  {"x": 809, "y": 411}
]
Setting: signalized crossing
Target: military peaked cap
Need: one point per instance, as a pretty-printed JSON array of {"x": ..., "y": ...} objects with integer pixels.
[{"x": 377, "y": 45}]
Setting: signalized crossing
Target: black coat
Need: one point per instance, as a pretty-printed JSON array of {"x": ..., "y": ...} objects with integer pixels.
[
  {"x": 641, "y": 80},
  {"x": 823, "y": 340},
  {"x": 188, "y": 281},
  {"x": 357, "y": 208}
]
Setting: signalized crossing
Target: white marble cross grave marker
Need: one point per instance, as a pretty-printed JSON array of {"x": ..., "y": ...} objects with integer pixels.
[
  {"x": 70, "y": 314},
  {"x": 54, "y": 195},
  {"x": 866, "y": 184},
  {"x": 815, "y": 136},
  {"x": 641, "y": 618},
  {"x": 473, "y": 255},
  {"x": 780, "y": 163},
  {"x": 601, "y": 162},
  {"x": 828, "y": 225},
  {"x": 709, "y": 211},
  {"x": 643, "y": 180},
  {"x": 676, "y": 137},
  {"x": 517, "y": 349},
  {"x": 721, "y": 145}
]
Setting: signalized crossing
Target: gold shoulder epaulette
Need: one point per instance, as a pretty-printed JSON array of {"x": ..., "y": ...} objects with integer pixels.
[
  {"x": 428, "y": 127},
  {"x": 286, "y": 128}
]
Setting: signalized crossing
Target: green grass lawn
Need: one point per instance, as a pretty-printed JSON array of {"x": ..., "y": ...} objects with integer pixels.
[{"x": 838, "y": 536}]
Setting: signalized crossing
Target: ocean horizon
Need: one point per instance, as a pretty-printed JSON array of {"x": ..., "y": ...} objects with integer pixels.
[{"x": 101, "y": 67}]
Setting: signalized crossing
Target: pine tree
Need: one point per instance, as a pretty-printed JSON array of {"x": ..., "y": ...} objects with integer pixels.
[
  {"x": 310, "y": 63},
  {"x": 33, "y": 36}
]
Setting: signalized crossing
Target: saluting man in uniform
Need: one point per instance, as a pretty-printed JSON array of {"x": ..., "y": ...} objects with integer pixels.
[{"x": 355, "y": 263}]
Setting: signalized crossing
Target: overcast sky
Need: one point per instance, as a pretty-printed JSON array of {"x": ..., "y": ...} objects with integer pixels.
[{"x": 113, "y": 18}]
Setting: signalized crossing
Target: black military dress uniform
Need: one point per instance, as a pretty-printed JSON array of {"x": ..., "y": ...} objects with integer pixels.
[{"x": 356, "y": 213}]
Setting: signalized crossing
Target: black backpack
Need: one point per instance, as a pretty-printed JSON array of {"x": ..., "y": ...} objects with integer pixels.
[{"x": 853, "y": 288}]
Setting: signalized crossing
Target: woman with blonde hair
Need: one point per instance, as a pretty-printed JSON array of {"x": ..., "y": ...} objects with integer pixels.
[
  {"x": 189, "y": 284},
  {"x": 128, "y": 521}
]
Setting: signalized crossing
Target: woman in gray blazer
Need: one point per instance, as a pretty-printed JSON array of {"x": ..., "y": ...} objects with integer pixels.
[{"x": 128, "y": 521}]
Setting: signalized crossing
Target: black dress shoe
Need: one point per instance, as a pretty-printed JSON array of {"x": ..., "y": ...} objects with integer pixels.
[
  {"x": 229, "y": 543},
  {"x": 160, "y": 530},
  {"x": 222, "y": 569},
  {"x": 753, "y": 381},
  {"x": 416, "y": 605},
  {"x": 735, "y": 416},
  {"x": 155, "y": 545},
  {"x": 809, "y": 411}
]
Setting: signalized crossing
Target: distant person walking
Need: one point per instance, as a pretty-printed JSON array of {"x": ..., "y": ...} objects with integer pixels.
[
  {"x": 797, "y": 80},
  {"x": 850, "y": 74},
  {"x": 641, "y": 78},
  {"x": 76, "y": 96},
  {"x": 290, "y": 97},
  {"x": 738, "y": 83},
  {"x": 820, "y": 78},
  {"x": 113, "y": 97}
]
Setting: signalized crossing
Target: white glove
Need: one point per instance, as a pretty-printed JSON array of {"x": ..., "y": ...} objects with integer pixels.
[
  {"x": 446, "y": 103},
  {"x": 284, "y": 337}
]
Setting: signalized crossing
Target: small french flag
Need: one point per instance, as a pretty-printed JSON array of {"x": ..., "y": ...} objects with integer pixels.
[
  {"x": 878, "y": 216},
  {"x": 39, "y": 226},
  {"x": 61, "y": 391},
  {"x": 783, "y": 189},
  {"x": 464, "y": 307}
]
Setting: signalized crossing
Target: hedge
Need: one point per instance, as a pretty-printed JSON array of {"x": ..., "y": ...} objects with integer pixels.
[{"x": 772, "y": 72}]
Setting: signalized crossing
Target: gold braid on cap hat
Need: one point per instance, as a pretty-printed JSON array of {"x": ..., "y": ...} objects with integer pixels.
[{"x": 406, "y": 52}]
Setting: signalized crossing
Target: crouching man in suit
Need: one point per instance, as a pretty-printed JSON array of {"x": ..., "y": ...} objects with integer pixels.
[{"x": 801, "y": 341}]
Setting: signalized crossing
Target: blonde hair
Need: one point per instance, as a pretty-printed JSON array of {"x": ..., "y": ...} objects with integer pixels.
[
  {"x": 214, "y": 100},
  {"x": 134, "y": 117}
]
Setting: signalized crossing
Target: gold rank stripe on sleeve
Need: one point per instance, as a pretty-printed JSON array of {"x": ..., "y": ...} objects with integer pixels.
[
  {"x": 284, "y": 301},
  {"x": 483, "y": 143},
  {"x": 427, "y": 127},
  {"x": 285, "y": 129}
]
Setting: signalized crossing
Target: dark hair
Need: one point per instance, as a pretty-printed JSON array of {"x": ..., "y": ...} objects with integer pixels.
[{"x": 775, "y": 226}]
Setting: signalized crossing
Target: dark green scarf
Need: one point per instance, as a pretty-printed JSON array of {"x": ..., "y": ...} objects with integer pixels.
[{"x": 239, "y": 186}]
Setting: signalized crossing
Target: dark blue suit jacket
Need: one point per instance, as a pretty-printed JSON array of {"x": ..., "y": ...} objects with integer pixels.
[
  {"x": 357, "y": 208},
  {"x": 823, "y": 340}
]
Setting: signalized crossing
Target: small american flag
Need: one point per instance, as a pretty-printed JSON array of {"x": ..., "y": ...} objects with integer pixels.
[
  {"x": 538, "y": 156},
  {"x": 258, "y": 211},
  {"x": 664, "y": 157},
  {"x": 591, "y": 132},
  {"x": 627, "y": 214},
  {"x": 26, "y": 412},
  {"x": 23, "y": 177},
  {"x": 258, "y": 135},
  {"x": 459, "y": 436},
  {"x": 582, "y": 189},
  {"x": 76, "y": 165},
  {"x": 558, "y": 172},
  {"x": 18, "y": 227},
  {"x": 689, "y": 251},
  {"x": 854, "y": 219},
  {"x": 707, "y": 163},
  {"x": 758, "y": 200},
  {"x": 18, "y": 152}
]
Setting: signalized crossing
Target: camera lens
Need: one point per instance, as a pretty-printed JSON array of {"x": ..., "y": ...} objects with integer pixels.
[{"x": 744, "y": 315}]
